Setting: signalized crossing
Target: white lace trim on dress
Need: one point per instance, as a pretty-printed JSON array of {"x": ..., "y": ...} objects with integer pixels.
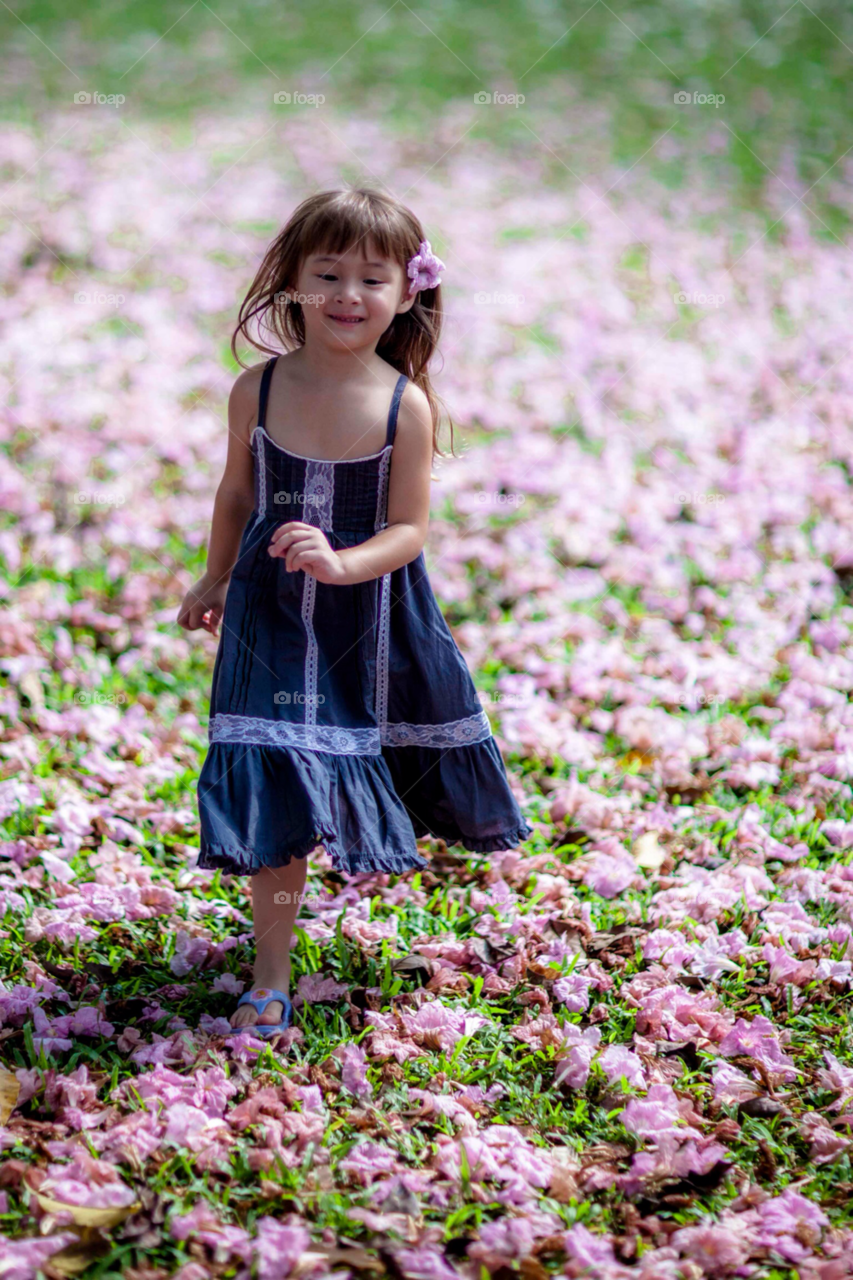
[
  {"x": 317, "y": 506},
  {"x": 383, "y": 637},
  {"x": 340, "y": 741},
  {"x": 262, "y": 473},
  {"x": 383, "y": 652},
  {"x": 382, "y": 491},
  {"x": 333, "y": 739},
  {"x": 455, "y": 733}
]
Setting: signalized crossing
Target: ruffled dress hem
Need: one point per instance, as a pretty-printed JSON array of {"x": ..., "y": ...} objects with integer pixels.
[
  {"x": 214, "y": 858},
  {"x": 480, "y": 844}
]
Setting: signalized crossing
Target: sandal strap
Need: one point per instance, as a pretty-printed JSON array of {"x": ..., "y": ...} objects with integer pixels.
[{"x": 260, "y": 997}]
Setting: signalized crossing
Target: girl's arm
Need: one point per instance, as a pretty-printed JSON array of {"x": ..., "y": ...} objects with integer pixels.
[
  {"x": 407, "y": 515},
  {"x": 235, "y": 497},
  {"x": 234, "y": 502}
]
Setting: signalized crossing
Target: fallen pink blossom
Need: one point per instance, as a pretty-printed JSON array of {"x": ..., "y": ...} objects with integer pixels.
[
  {"x": 616, "y": 1061},
  {"x": 24, "y": 1259},
  {"x": 758, "y": 1039}
]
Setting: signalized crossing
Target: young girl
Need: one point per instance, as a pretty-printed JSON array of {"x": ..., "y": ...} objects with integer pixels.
[{"x": 342, "y": 712}]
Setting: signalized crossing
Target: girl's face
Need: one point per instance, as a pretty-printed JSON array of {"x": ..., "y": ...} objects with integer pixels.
[{"x": 349, "y": 299}]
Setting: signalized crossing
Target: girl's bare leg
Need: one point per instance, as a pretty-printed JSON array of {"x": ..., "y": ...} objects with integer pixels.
[{"x": 274, "y": 921}]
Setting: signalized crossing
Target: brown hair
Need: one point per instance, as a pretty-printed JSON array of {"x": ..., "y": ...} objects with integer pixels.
[{"x": 334, "y": 221}]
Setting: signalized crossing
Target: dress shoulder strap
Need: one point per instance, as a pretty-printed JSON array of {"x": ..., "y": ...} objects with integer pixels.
[
  {"x": 264, "y": 395},
  {"x": 395, "y": 405}
]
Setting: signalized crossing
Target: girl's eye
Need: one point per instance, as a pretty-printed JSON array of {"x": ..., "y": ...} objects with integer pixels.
[{"x": 328, "y": 276}]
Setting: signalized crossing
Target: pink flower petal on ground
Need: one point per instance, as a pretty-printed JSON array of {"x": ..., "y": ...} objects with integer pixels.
[
  {"x": 733, "y": 1085},
  {"x": 45, "y": 1038},
  {"x": 616, "y": 1061},
  {"x": 229, "y": 983},
  {"x": 573, "y": 992},
  {"x": 202, "y": 1224},
  {"x": 718, "y": 1250},
  {"x": 784, "y": 968},
  {"x": 609, "y": 876},
  {"x": 189, "y": 953},
  {"x": 24, "y": 1259},
  {"x": 277, "y": 1248},
  {"x": 788, "y": 1221},
  {"x": 89, "y": 1021},
  {"x": 189, "y": 1127},
  {"x": 89, "y": 1182},
  {"x": 758, "y": 1039},
  {"x": 826, "y": 1143},
  {"x": 589, "y": 1250},
  {"x": 653, "y": 1115},
  {"x": 838, "y": 1079},
  {"x": 315, "y": 988},
  {"x": 444, "y": 1104},
  {"x": 506, "y": 1240},
  {"x": 671, "y": 948},
  {"x": 354, "y": 1071},
  {"x": 574, "y": 1066},
  {"x": 675, "y": 1156},
  {"x": 383, "y": 1044},
  {"x": 366, "y": 1159},
  {"x": 438, "y": 1026},
  {"x": 424, "y": 1264}
]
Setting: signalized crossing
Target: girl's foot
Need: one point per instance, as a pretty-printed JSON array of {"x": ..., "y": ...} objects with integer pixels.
[
  {"x": 245, "y": 1015},
  {"x": 276, "y": 895}
]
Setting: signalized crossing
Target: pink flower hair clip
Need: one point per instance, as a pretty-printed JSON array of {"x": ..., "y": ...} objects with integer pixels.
[{"x": 424, "y": 269}]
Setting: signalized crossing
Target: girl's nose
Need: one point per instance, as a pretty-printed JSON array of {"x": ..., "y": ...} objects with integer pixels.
[{"x": 347, "y": 291}]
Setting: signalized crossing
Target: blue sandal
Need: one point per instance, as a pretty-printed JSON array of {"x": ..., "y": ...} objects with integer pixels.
[{"x": 259, "y": 999}]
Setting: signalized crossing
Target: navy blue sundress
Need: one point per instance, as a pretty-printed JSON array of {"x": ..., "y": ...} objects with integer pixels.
[{"x": 341, "y": 716}]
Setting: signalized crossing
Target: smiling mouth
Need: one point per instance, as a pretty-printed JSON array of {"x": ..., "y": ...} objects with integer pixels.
[{"x": 347, "y": 319}]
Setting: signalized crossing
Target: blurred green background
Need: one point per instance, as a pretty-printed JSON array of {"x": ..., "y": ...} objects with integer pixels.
[{"x": 784, "y": 70}]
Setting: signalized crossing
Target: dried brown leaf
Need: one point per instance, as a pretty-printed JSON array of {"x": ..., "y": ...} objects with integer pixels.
[{"x": 10, "y": 1087}]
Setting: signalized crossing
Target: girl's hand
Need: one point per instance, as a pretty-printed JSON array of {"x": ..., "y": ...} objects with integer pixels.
[
  {"x": 203, "y": 605},
  {"x": 304, "y": 546}
]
